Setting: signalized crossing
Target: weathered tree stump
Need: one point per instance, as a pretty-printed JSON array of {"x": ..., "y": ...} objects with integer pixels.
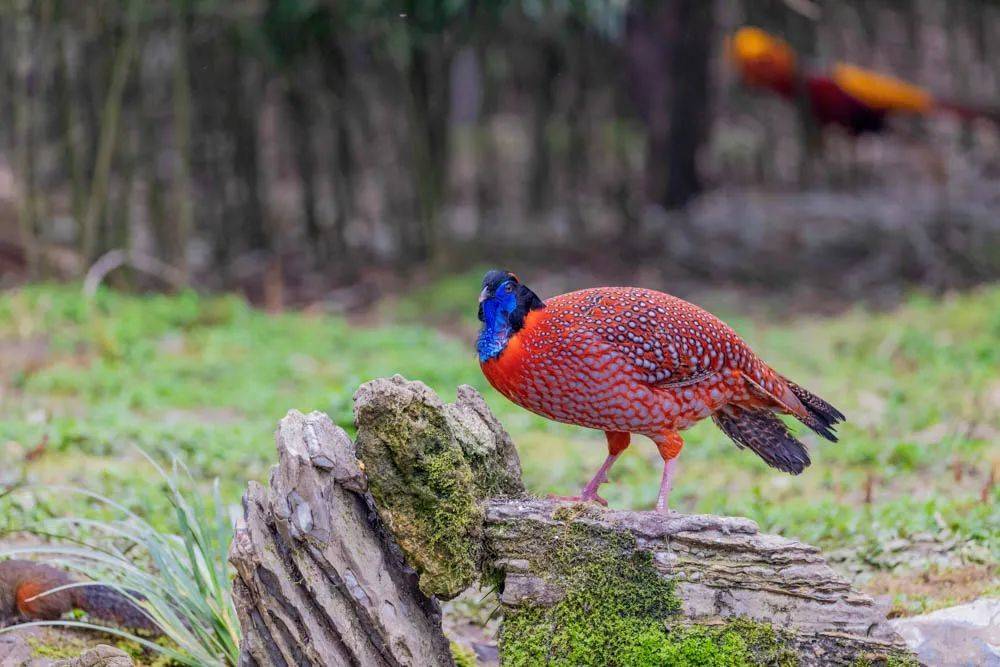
[
  {"x": 340, "y": 562},
  {"x": 319, "y": 580}
]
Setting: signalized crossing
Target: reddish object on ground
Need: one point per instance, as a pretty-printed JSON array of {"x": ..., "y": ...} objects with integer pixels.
[{"x": 24, "y": 595}]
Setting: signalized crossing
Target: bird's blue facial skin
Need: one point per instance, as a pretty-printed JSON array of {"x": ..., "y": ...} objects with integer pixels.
[{"x": 497, "y": 329}]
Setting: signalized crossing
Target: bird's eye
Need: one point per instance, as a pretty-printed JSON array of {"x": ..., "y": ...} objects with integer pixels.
[{"x": 510, "y": 288}]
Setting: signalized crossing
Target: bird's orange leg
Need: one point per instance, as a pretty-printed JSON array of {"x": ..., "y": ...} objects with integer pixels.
[
  {"x": 669, "y": 444},
  {"x": 617, "y": 442}
]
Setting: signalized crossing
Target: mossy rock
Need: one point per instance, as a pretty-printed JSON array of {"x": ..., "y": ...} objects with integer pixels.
[
  {"x": 581, "y": 585},
  {"x": 616, "y": 609},
  {"x": 429, "y": 467}
]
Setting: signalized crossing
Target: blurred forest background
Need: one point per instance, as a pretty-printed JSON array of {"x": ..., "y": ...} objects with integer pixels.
[
  {"x": 270, "y": 202},
  {"x": 289, "y": 148}
]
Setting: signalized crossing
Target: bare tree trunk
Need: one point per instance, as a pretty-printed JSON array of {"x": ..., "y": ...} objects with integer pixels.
[
  {"x": 577, "y": 166},
  {"x": 23, "y": 134},
  {"x": 182, "y": 135},
  {"x": 244, "y": 114},
  {"x": 629, "y": 229},
  {"x": 119, "y": 213},
  {"x": 107, "y": 143},
  {"x": 487, "y": 185},
  {"x": 73, "y": 145},
  {"x": 428, "y": 75},
  {"x": 540, "y": 181},
  {"x": 300, "y": 114},
  {"x": 668, "y": 49},
  {"x": 689, "y": 117},
  {"x": 343, "y": 183},
  {"x": 802, "y": 35},
  {"x": 342, "y": 175},
  {"x": 623, "y": 194},
  {"x": 155, "y": 180},
  {"x": 649, "y": 30}
]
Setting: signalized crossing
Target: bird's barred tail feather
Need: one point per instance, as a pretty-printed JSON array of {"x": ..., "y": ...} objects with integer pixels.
[
  {"x": 790, "y": 398},
  {"x": 760, "y": 431},
  {"x": 822, "y": 417}
]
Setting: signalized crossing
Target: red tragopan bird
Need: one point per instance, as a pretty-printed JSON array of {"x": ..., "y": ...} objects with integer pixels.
[{"x": 629, "y": 360}]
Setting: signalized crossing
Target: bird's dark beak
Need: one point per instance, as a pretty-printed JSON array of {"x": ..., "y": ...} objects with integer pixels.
[{"x": 485, "y": 294}]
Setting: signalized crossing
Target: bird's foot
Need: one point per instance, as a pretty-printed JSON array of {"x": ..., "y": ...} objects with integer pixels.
[
  {"x": 664, "y": 509},
  {"x": 662, "y": 504},
  {"x": 582, "y": 498},
  {"x": 589, "y": 493}
]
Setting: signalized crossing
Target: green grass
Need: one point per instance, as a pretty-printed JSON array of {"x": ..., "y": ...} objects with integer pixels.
[{"x": 208, "y": 378}]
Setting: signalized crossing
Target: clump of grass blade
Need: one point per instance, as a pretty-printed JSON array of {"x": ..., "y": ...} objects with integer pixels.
[{"x": 181, "y": 581}]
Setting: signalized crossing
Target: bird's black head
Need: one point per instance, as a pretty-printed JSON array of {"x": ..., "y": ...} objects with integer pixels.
[
  {"x": 503, "y": 304},
  {"x": 495, "y": 277}
]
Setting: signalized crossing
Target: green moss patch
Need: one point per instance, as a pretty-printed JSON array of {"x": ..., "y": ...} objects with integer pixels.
[
  {"x": 61, "y": 649},
  {"x": 734, "y": 644},
  {"x": 618, "y": 610},
  {"x": 429, "y": 467},
  {"x": 422, "y": 483},
  {"x": 895, "y": 660},
  {"x": 463, "y": 656}
]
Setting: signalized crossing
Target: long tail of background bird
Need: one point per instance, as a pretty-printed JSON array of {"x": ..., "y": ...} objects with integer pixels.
[
  {"x": 888, "y": 93},
  {"x": 41, "y": 592},
  {"x": 969, "y": 111},
  {"x": 756, "y": 427},
  {"x": 109, "y": 605}
]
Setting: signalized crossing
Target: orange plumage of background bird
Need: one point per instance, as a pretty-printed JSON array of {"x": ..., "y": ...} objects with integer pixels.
[
  {"x": 849, "y": 96},
  {"x": 628, "y": 360}
]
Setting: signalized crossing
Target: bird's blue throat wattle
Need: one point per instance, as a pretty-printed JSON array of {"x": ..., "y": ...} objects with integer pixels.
[
  {"x": 503, "y": 305},
  {"x": 496, "y": 330}
]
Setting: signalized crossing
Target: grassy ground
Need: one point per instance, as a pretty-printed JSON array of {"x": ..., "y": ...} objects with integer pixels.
[{"x": 912, "y": 486}]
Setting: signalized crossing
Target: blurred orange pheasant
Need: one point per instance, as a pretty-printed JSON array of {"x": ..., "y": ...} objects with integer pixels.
[
  {"x": 628, "y": 360},
  {"x": 854, "y": 98}
]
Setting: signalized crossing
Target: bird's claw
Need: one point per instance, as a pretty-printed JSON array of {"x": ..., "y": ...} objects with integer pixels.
[{"x": 596, "y": 498}]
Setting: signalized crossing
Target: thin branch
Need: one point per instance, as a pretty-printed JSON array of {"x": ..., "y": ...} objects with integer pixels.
[
  {"x": 806, "y": 8},
  {"x": 114, "y": 259},
  {"x": 109, "y": 135}
]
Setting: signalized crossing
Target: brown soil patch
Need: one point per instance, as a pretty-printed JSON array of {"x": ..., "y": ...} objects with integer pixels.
[{"x": 933, "y": 588}]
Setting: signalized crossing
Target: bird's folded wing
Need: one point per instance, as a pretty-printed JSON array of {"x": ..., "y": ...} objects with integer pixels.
[{"x": 668, "y": 341}]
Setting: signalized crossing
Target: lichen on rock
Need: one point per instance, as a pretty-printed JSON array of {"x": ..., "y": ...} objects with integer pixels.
[
  {"x": 487, "y": 447},
  {"x": 429, "y": 467}
]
